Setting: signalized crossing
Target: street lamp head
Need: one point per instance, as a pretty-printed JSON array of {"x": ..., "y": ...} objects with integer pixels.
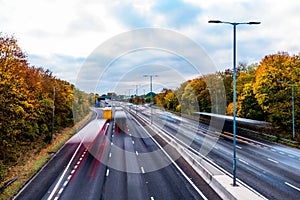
[
  {"x": 253, "y": 23},
  {"x": 215, "y": 21}
]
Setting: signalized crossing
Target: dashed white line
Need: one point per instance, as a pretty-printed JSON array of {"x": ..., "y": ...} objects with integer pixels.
[
  {"x": 273, "y": 150},
  {"x": 274, "y": 161},
  {"x": 107, "y": 172},
  {"x": 292, "y": 186},
  {"x": 130, "y": 134},
  {"x": 152, "y": 198},
  {"x": 137, "y": 153},
  {"x": 111, "y": 143},
  {"x": 132, "y": 142},
  {"x": 69, "y": 177},
  {"x": 244, "y": 161},
  {"x": 110, "y": 155},
  {"x": 78, "y": 163},
  {"x": 72, "y": 172},
  {"x": 292, "y": 156},
  {"x": 281, "y": 152},
  {"x": 61, "y": 190},
  {"x": 75, "y": 167},
  {"x": 142, "y": 169},
  {"x": 238, "y": 147},
  {"x": 65, "y": 183},
  {"x": 80, "y": 158},
  {"x": 56, "y": 198}
]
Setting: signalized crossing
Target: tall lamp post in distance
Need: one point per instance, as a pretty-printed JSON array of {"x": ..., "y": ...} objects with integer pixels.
[
  {"x": 151, "y": 95},
  {"x": 151, "y": 77},
  {"x": 234, "y": 24},
  {"x": 293, "y": 105}
]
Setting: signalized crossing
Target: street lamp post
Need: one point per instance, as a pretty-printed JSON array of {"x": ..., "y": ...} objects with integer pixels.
[
  {"x": 151, "y": 77},
  {"x": 151, "y": 95},
  {"x": 53, "y": 115},
  {"x": 293, "y": 105},
  {"x": 234, "y": 24},
  {"x": 293, "y": 109}
]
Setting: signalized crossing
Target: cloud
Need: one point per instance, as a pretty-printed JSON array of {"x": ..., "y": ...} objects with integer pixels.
[{"x": 60, "y": 34}]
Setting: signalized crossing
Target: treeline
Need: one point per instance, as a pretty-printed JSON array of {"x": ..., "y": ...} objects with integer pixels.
[
  {"x": 264, "y": 92},
  {"x": 30, "y": 99}
]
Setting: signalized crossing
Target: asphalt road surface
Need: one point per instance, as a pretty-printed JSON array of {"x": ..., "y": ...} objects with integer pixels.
[
  {"x": 104, "y": 161},
  {"x": 271, "y": 169}
]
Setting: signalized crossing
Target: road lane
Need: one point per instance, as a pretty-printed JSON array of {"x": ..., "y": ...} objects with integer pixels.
[{"x": 269, "y": 168}]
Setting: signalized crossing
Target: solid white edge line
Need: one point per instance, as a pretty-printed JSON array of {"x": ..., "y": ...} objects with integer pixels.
[
  {"x": 292, "y": 186},
  {"x": 174, "y": 163}
]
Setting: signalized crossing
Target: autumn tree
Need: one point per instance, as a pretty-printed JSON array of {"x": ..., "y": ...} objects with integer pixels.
[{"x": 272, "y": 88}]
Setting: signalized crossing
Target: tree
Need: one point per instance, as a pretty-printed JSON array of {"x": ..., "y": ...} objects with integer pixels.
[{"x": 272, "y": 88}]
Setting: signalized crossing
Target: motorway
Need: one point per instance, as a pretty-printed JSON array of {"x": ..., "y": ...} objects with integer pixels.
[
  {"x": 104, "y": 161},
  {"x": 271, "y": 169}
]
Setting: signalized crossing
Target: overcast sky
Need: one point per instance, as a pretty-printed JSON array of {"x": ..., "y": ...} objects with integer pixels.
[{"x": 62, "y": 34}]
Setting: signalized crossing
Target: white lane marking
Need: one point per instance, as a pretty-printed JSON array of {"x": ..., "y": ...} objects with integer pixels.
[
  {"x": 69, "y": 177},
  {"x": 61, "y": 190},
  {"x": 113, "y": 136},
  {"x": 72, "y": 172},
  {"x": 110, "y": 155},
  {"x": 281, "y": 152},
  {"x": 65, "y": 183},
  {"x": 132, "y": 142},
  {"x": 292, "y": 186},
  {"x": 238, "y": 147},
  {"x": 291, "y": 156},
  {"x": 130, "y": 134},
  {"x": 244, "y": 161},
  {"x": 142, "y": 169},
  {"x": 78, "y": 163},
  {"x": 174, "y": 163},
  {"x": 56, "y": 198},
  {"x": 111, "y": 143},
  {"x": 107, "y": 172},
  {"x": 152, "y": 198},
  {"x": 75, "y": 167},
  {"x": 273, "y": 150},
  {"x": 137, "y": 153},
  {"x": 80, "y": 158},
  {"x": 274, "y": 161}
]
